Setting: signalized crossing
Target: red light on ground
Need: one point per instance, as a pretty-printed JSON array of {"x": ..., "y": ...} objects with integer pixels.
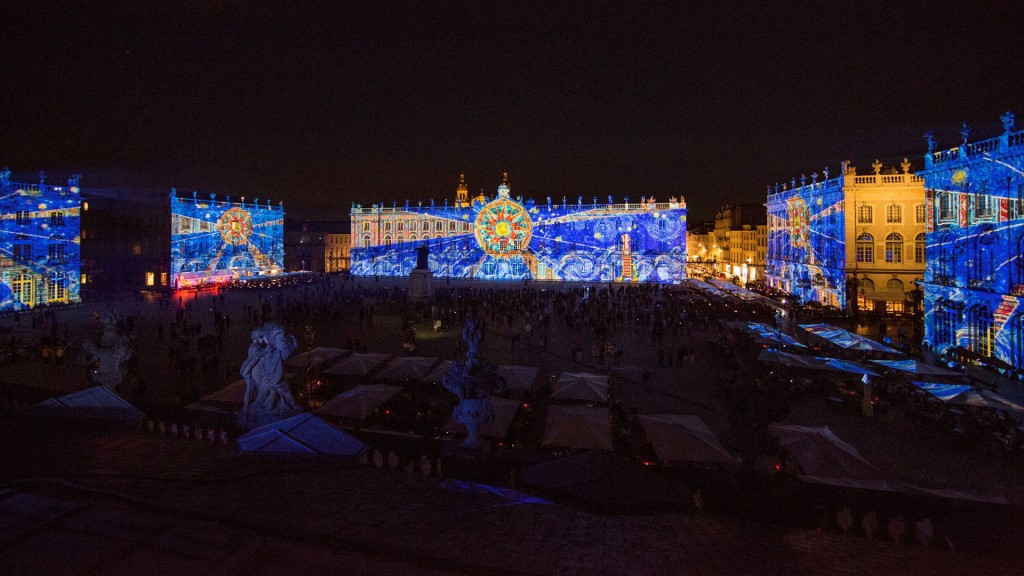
[
  {"x": 778, "y": 467},
  {"x": 647, "y": 463},
  {"x": 526, "y": 405},
  {"x": 387, "y": 412}
]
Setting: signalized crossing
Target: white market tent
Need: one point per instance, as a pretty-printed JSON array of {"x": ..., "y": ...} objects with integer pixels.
[
  {"x": 359, "y": 402},
  {"x": 96, "y": 404},
  {"x": 437, "y": 373},
  {"x": 357, "y": 364},
  {"x": 581, "y": 386},
  {"x": 504, "y": 411},
  {"x": 825, "y": 459},
  {"x": 519, "y": 377},
  {"x": 578, "y": 427},
  {"x": 407, "y": 368},
  {"x": 301, "y": 434},
  {"x": 846, "y": 339},
  {"x": 315, "y": 358},
  {"x": 916, "y": 367},
  {"x": 683, "y": 438}
]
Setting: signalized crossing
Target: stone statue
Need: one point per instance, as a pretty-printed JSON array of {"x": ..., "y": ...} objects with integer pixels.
[
  {"x": 267, "y": 397},
  {"x": 473, "y": 382},
  {"x": 422, "y": 254},
  {"x": 5, "y": 175},
  {"x": 1008, "y": 121},
  {"x": 110, "y": 355}
]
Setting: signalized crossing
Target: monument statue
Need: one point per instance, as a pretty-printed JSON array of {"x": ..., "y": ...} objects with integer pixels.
[
  {"x": 473, "y": 381},
  {"x": 267, "y": 397},
  {"x": 422, "y": 253},
  {"x": 110, "y": 354}
]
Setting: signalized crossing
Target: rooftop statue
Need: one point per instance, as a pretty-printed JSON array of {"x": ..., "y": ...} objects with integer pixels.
[{"x": 267, "y": 397}]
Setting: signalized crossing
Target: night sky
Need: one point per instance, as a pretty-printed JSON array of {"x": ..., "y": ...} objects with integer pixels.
[{"x": 322, "y": 105}]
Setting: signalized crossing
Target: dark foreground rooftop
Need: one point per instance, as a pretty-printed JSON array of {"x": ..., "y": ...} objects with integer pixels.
[{"x": 91, "y": 501}]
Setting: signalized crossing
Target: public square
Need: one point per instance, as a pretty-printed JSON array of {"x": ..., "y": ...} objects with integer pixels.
[{"x": 479, "y": 517}]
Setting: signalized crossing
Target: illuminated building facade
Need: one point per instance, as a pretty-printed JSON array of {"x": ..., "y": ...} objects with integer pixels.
[
  {"x": 39, "y": 243},
  {"x": 975, "y": 245},
  {"x": 214, "y": 241},
  {"x": 505, "y": 239},
  {"x": 853, "y": 242},
  {"x": 737, "y": 229},
  {"x": 338, "y": 252}
]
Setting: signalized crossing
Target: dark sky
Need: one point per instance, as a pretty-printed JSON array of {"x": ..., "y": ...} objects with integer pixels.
[{"x": 324, "y": 104}]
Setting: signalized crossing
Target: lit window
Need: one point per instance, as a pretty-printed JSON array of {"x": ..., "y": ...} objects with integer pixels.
[
  {"x": 919, "y": 248},
  {"x": 163, "y": 278},
  {"x": 85, "y": 206},
  {"x": 137, "y": 249},
  {"x": 919, "y": 213},
  {"x": 894, "y": 214},
  {"x": 864, "y": 215},
  {"x": 894, "y": 248},
  {"x": 865, "y": 248},
  {"x": 85, "y": 278},
  {"x": 150, "y": 278}
]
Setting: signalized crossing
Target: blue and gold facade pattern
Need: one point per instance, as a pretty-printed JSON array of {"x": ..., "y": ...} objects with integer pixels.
[
  {"x": 512, "y": 239},
  {"x": 807, "y": 240},
  {"x": 974, "y": 280},
  {"x": 216, "y": 241},
  {"x": 40, "y": 256}
]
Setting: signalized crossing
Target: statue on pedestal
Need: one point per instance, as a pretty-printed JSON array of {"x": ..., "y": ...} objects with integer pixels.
[
  {"x": 473, "y": 382},
  {"x": 110, "y": 355},
  {"x": 267, "y": 397}
]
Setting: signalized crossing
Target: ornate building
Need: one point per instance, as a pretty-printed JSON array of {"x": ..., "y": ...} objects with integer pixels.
[
  {"x": 975, "y": 245},
  {"x": 853, "y": 242},
  {"x": 39, "y": 243},
  {"x": 512, "y": 238}
]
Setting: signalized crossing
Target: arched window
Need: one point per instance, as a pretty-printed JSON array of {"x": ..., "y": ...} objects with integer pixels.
[
  {"x": 366, "y": 239},
  {"x": 387, "y": 240},
  {"x": 894, "y": 285},
  {"x": 864, "y": 215},
  {"x": 919, "y": 248},
  {"x": 865, "y": 248},
  {"x": 867, "y": 285},
  {"x": 894, "y": 248},
  {"x": 412, "y": 237},
  {"x": 400, "y": 238},
  {"x": 894, "y": 214}
]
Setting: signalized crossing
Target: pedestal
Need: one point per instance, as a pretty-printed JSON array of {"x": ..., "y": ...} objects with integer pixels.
[{"x": 420, "y": 280}]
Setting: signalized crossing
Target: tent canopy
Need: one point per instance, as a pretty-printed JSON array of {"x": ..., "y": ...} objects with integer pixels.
[
  {"x": 407, "y": 368},
  {"x": 519, "y": 377},
  {"x": 683, "y": 438},
  {"x": 437, "y": 373},
  {"x": 814, "y": 362},
  {"x": 822, "y": 457},
  {"x": 301, "y": 434},
  {"x": 581, "y": 386},
  {"x": 764, "y": 334},
  {"x": 504, "y": 411},
  {"x": 359, "y": 402},
  {"x": 578, "y": 427},
  {"x": 96, "y": 404},
  {"x": 965, "y": 395},
  {"x": 315, "y": 358},
  {"x": 846, "y": 339},
  {"x": 358, "y": 364},
  {"x": 916, "y": 367}
]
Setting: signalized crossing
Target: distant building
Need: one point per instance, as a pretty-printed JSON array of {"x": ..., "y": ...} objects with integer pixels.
[
  {"x": 736, "y": 241},
  {"x": 39, "y": 243},
  {"x": 974, "y": 281},
  {"x": 506, "y": 238},
  {"x": 853, "y": 242},
  {"x": 309, "y": 245},
  {"x": 150, "y": 240},
  {"x": 338, "y": 250},
  {"x": 702, "y": 251}
]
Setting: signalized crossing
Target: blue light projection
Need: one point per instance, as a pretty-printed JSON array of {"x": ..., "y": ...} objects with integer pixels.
[
  {"x": 806, "y": 241},
  {"x": 215, "y": 241},
  {"x": 40, "y": 256},
  {"x": 974, "y": 278},
  {"x": 506, "y": 239}
]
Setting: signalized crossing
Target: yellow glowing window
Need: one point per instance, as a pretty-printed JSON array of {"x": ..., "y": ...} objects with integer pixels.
[
  {"x": 84, "y": 278},
  {"x": 163, "y": 278},
  {"x": 150, "y": 278},
  {"x": 85, "y": 205},
  {"x": 137, "y": 249}
]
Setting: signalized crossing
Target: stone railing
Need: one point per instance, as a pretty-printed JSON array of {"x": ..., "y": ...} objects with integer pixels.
[{"x": 1003, "y": 142}]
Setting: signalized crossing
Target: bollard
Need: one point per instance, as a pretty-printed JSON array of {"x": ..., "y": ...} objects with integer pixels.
[
  {"x": 425, "y": 465},
  {"x": 174, "y": 429},
  {"x": 378, "y": 459},
  {"x": 844, "y": 518},
  {"x": 223, "y": 437},
  {"x": 924, "y": 531},
  {"x": 199, "y": 433},
  {"x": 363, "y": 458},
  {"x": 184, "y": 432},
  {"x": 897, "y": 527},
  {"x": 161, "y": 428},
  {"x": 870, "y": 524},
  {"x": 392, "y": 460},
  {"x": 149, "y": 426},
  {"x": 211, "y": 435}
]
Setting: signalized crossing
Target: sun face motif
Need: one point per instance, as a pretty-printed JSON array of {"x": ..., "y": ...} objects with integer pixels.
[
  {"x": 235, "y": 226},
  {"x": 959, "y": 177},
  {"x": 503, "y": 228}
]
